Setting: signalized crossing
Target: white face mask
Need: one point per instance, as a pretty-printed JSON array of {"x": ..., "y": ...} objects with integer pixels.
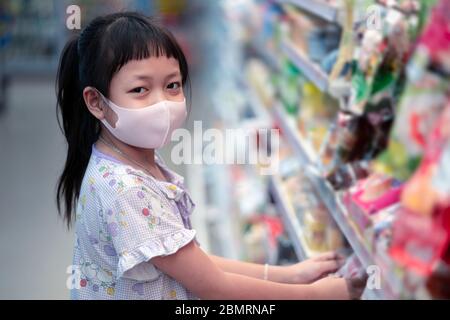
[{"x": 150, "y": 127}]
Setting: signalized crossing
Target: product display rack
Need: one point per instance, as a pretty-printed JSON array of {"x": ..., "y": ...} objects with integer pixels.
[
  {"x": 328, "y": 196},
  {"x": 309, "y": 161},
  {"x": 314, "y": 73},
  {"x": 309, "y": 69},
  {"x": 318, "y": 8},
  {"x": 290, "y": 220}
]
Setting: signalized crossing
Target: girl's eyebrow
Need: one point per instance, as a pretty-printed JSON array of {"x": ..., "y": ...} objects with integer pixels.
[
  {"x": 142, "y": 77},
  {"x": 173, "y": 74},
  {"x": 147, "y": 77}
]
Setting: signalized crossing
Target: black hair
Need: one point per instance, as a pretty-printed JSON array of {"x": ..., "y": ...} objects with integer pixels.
[{"x": 91, "y": 59}]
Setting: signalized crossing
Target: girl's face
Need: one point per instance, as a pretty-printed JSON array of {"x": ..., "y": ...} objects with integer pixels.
[{"x": 141, "y": 83}]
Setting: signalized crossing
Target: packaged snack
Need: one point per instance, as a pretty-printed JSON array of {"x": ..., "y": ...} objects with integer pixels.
[
  {"x": 377, "y": 192},
  {"x": 380, "y": 234},
  {"x": 335, "y": 239},
  {"x": 289, "y": 87},
  {"x": 421, "y": 235},
  {"x": 369, "y": 197},
  {"x": 377, "y": 81},
  {"x": 347, "y": 175},
  {"x": 315, "y": 228},
  {"x": 429, "y": 187},
  {"x": 424, "y": 98},
  {"x": 342, "y": 65},
  {"x": 352, "y": 268},
  {"x": 351, "y": 130},
  {"x": 417, "y": 242}
]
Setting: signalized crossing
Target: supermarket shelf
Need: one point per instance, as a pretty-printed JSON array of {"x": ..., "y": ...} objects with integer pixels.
[
  {"x": 266, "y": 54},
  {"x": 301, "y": 147},
  {"x": 337, "y": 88},
  {"x": 318, "y": 8},
  {"x": 337, "y": 211},
  {"x": 329, "y": 198},
  {"x": 290, "y": 220},
  {"x": 258, "y": 107},
  {"x": 311, "y": 70}
]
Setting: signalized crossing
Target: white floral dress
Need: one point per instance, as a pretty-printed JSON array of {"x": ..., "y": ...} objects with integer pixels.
[{"x": 124, "y": 218}]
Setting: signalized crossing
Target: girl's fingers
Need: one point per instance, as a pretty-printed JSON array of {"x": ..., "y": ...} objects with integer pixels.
[
  {"x": 331, "y": 255},
  {"x": 341, "y": 261},
  {"x": 326, "y": 256},
  {"x": 329, "y": 266}
]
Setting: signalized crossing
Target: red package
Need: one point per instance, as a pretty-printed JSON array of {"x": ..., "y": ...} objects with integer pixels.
[{"x": 417, "y": 241}]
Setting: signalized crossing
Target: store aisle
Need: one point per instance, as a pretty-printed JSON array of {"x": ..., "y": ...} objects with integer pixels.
[{"x": 35, "y": 247}]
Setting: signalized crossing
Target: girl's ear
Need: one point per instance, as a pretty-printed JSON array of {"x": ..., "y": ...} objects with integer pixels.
[{"x": 94, "y": 102}]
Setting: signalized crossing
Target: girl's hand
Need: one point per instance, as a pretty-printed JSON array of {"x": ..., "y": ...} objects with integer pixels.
[{"x": 313, "y": 269}]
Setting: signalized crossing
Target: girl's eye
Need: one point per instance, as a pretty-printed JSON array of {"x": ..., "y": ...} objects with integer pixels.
[
  {"x": 138, "y": 90},
  {"x": 174, "y": 86}
]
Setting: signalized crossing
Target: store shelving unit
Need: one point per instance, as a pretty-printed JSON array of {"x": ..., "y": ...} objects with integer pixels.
[
  {"x": 335, "y": 207},
  {"x": 301, "y": 147},
  {"x": 290, "y": 219},
  {"x": 258, "y": 108},
  {"x": 314, "y": 73},
  {"x": 329, "y": 197},
  {"x": 267, "y": 55},
  {"x": 309, "y": 69},
  {"x": 333, "y": 203},
  {"x": 318, "y": 8},
  {"x": 393, "y": 277}
]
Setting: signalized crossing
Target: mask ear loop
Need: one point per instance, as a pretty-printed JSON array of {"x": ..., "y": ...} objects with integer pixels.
[
  {"x": 103, "y": 98},
  {"x": 105, "y": 101}
]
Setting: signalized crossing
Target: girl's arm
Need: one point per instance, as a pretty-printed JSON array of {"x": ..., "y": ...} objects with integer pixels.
[
  {"x": 301, "y": 273},
  {"x": 199, "y": 274},
  {"x": 253, "y": 270}
]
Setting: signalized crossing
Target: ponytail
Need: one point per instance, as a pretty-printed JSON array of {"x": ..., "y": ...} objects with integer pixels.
[{"x": 79, "y": 127}]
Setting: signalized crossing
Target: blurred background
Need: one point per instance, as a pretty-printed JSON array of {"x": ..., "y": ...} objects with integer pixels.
[{"x": 340, "y": 93}]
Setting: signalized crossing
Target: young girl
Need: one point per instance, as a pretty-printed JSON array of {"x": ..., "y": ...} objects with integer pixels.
[{"x": 120, "y": 94}]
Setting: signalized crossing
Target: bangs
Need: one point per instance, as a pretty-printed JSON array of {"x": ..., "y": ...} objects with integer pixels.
[{"x": 136, "y": 39}]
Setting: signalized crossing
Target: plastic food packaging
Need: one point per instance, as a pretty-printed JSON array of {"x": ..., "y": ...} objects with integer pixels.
[
  {"x": 347, "y": 175},
  {"x": 315, "y": 232}
]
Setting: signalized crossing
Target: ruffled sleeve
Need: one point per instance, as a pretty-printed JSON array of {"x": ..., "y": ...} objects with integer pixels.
[{"x": 143, "y": 226}]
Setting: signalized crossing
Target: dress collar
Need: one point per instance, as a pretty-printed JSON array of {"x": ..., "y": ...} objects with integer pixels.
[{"x": 173, "y": 188}]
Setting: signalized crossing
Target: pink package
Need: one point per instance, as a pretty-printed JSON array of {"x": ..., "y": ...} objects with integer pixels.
[
  {"x": 387, "y": 199},
  {"x": 351, "y": 269}
]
